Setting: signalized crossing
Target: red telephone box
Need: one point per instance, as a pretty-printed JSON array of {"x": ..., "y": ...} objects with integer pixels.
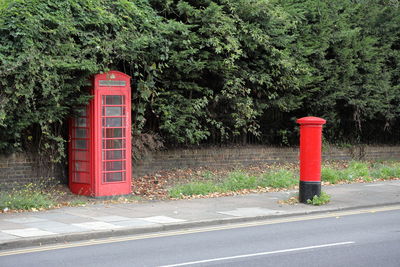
[{"x": 100, "y": 139}]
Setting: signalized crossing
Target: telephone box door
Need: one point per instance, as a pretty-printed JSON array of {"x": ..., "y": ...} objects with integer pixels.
[{"x": 113, "y": 134}]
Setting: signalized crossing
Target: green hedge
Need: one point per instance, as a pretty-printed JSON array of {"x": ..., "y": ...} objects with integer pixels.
[{"x": 203, "y": 70}]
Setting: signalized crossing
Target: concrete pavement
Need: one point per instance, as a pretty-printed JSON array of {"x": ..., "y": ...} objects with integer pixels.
[{"x": 69, "y": 224}]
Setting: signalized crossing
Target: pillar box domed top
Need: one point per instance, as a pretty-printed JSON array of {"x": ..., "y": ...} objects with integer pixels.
[{"x": 311, "y": 121}]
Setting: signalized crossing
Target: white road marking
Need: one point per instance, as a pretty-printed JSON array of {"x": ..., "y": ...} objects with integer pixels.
[{"x": 259, "y": 254}]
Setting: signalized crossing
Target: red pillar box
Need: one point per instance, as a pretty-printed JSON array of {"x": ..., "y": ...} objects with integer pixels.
[
  {"x": 100, "y": 139},
  {"x": 310, "y": 157}
]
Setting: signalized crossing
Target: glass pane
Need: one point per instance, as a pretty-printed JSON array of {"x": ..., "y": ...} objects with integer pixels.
[
  {"x": 114, "y": 166},
  {"x": 80, "y": 133},
  {"x": 80, "y": 144},
  {"x": 114, "y": 177},
  {"x": 81, "y": 177},
  {"x": 115, "y": 143},
  {"x": 113, "y": 133},
  {"x": 113, "y": 111},
  {"x": 81, "y": 155},
  {"x": 113, "y": 100},
  {"x": 81, "y": 166},
  {"x": 112, "y": 122},
  {"x": 114, "y": 154},
  {"x": 81, "y": 112},
  {"x": 80, "y": 122}
]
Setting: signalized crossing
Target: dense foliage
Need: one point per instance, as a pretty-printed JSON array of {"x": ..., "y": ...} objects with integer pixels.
[{"x": 204, "y": 71}]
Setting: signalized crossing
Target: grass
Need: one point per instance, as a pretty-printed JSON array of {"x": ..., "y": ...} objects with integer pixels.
[
  {"x": 30, "y": 197},
  {"x": 386, "y": 172},
  {"x": 78, "y": 202},
  {"x": 354, "y": 171},
  {"x": 190, "y": 189},
  {"x": 330, "y": 175},
  {"x": 279, "y": 179},
  {"x": 236, "y": 181}
]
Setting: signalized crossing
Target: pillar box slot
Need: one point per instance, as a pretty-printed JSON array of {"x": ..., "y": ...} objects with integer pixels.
[{"x": 100, "y": 139}]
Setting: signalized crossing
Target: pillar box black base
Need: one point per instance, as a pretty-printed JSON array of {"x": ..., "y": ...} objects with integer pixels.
[{"x": 308, "y": 190}]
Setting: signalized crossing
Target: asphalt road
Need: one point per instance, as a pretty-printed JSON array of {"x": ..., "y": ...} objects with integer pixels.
[{"x": 369, "y": 239}]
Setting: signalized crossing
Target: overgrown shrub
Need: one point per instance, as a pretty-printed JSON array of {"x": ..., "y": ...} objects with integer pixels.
[
  {"x": 49, "y": 50},
  {"x": 204, "y": 71}
]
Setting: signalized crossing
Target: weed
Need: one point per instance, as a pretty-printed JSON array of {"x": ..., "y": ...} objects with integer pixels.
[
  {"x": 25, "y": 200},
  {"x": 368, "y": 179},
  {"x": 134, "y": 198},
  {"x": 197, "y": 188},
  {"x": 39, "y": 195},
  {"x": 208, "y": 175},
  {"x": 330, "y": 175},
  {"x": 239, "y": 180},
  {"x": 322, "y": 199},
  {"x": 386, "y": 172},
  {"x": 279, "y": 179},
  {"x": 77, "y": 202},
  {"x": 356, "y": 169}
]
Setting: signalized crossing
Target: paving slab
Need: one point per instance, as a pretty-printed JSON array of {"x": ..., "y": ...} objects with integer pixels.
[
  {"x": 28, "y": 232},
  {"x": 25, "y": 219}
]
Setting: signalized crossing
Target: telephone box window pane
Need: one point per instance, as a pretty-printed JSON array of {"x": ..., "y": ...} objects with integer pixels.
[
  {"x": 80, "y": 122},
  {"x": 114, "y": 144},
  {"x": 113, "y": 111},
  {"x": 114, "y": 177},
  {"x": 81, "y": 166},
  {"x": 112, "y": 83},
  {"x": 112, "y": 122},
  {"x": 113, "y": 100},
  {"x": 81, "y": 155},
  {"x": 81, "y": 112},
  {"x": 114, "y": 133},
  {"x": 114, "y": 154},
  {"x": 80, "y": 144},
  {"x": 80, "y": 133},
  {"x": 114, "y": 166},
  {"x": 81, "y": 177}
]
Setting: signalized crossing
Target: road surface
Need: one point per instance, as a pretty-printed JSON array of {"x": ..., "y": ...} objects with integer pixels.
[{"x": 333, "y": 239}]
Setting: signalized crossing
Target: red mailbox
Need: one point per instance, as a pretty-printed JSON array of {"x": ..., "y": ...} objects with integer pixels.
[
  {"x": 310, "y": 157},
  {"x": 100, "y": 139}
]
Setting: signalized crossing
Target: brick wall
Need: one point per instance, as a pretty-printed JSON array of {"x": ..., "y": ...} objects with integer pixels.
[
  {"x": 251, "y": 155},
  {"x": 20, "y": 168}
]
